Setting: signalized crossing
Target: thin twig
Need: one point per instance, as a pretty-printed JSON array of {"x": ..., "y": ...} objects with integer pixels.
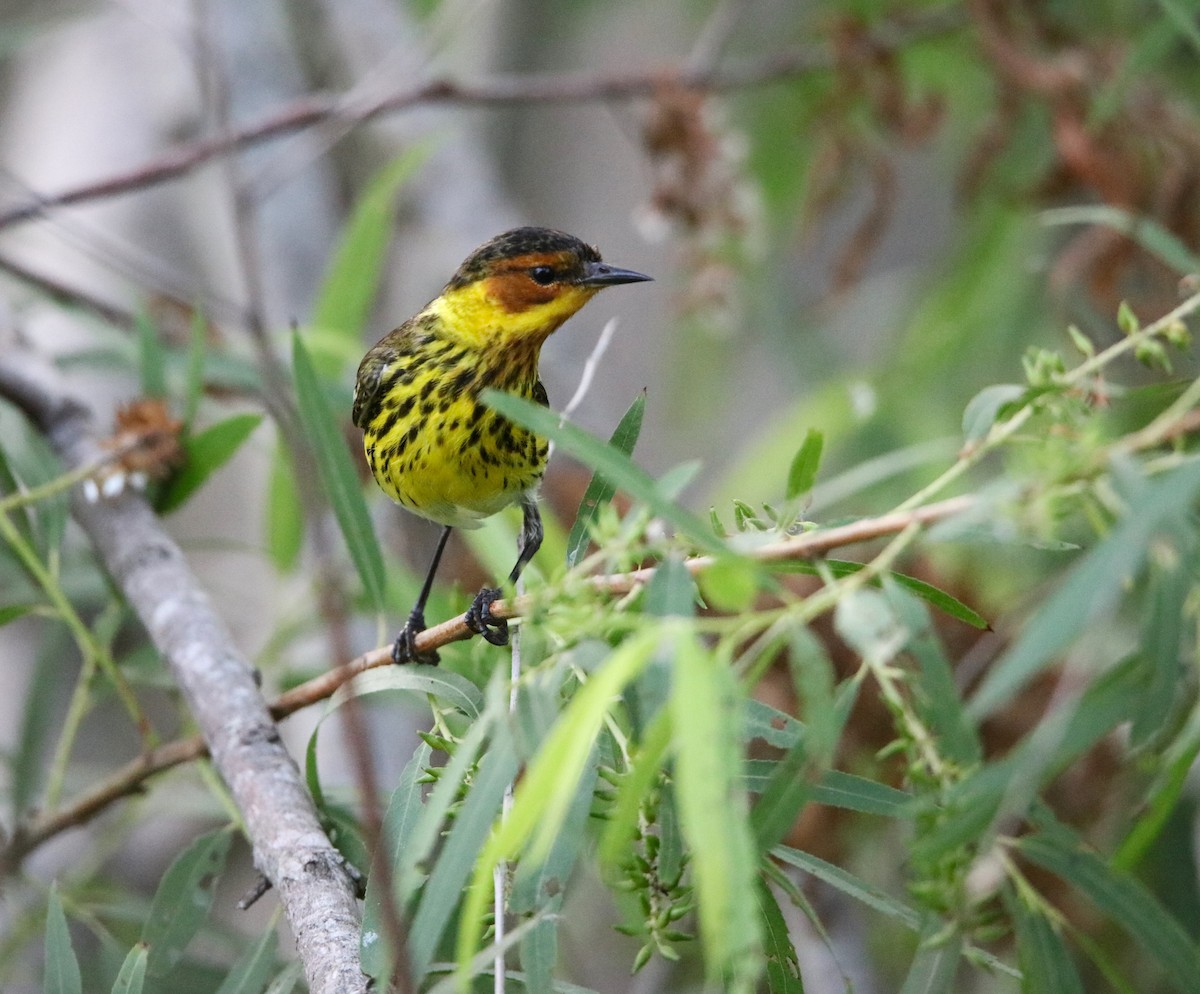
[
  {"x": 129, "y": 778},
  {"x": 501, "y": 90}
]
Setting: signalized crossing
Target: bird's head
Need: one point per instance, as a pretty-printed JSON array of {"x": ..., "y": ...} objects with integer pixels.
[{"x": 524, "y": 284}]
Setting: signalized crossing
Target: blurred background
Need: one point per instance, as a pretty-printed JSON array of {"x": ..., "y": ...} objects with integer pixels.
[{"x": 858, "y": 215}]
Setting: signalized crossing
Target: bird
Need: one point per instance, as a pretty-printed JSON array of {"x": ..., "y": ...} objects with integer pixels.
[{"x": 432, "y": 444}]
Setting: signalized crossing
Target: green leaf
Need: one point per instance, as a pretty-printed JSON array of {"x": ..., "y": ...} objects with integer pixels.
[
  {"x": 855, "y": 793},
  {"x": 615, "y": 466},
  {"x": 285, "y": 519},
  {"x": 338, "y": 476},
  {"x": 599, "y": 491},
  {"x": 1091, "y": 589},
  {"x": 152, "y": 367},
  {"x": 705, "y": 708},
  {"x": 204, "y": 454},
  {"x": 249, "y": 975},
  {"x": 1147, "y": 232},
  {"x": 850, "y": 885},
  {"x": 1168, "y": 586},
  {"x": 934, "y": 596},
  {"x": 935, "y": 966},
  {"x": 62, "y": 968},
  {"x": 539, "y": 888},
  {"x": 671, "y": 591},
  {"x": 1045, "y": 962},
  {"x": 1182, "y": 17},
  {"x": 441, "y": 894},
  {"x": 731, "y": 583},
  {"x": 446, "y": 686},
  {"x": 987, "y": 407},
  {"x": 183, "y": 899},
  {"x": 645, "y": 762},
  {"x": 193, "y": 384},
  {"x": 132, "y": 976},
  {"x": 803, "y": 472},
  {"x": 938, "y": 703},
  {"x": 1122, "y": 898},
  {"x": 543, "y": 795},
  {"x": 348, "y": 290},
  {"x": 783, "y": 965},
  {"x": 399, "y": 822},
  {"x": 38, "y": 719}
]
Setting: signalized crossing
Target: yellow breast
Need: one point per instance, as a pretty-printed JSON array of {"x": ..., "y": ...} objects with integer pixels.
[{"x": 436, "y": 449}]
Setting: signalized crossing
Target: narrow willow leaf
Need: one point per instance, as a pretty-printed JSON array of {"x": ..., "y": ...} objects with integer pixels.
[
  {"x": 938, "y": 702},
  {"x": 205, "y": 453},
  {"x": 193, "y": 380},
  {"x": 599, "y": 491},
  {"x": 1045, "y": 963},
  {"x": 935, "y": 966},
  {"x": 705, "y": 708},
  {"x": 732, "y": 582},
  {"x": 1123, "y": 898},
  {"x": 1169, "y": 584},
  {"x": 803, "y": 472},
  {"x": 62, "y": 968},
  {"x": 987, "y": 407},
  {"x": 446, "y": 686},
  {"x": 1147, "y": 232},
  {"x": 1161, "y": 804},
  {"x": 616, "y": 467},
  {"x": 783, "y": 965},
  {"x": 285, "y": 519},
  {"x": 132, "y": 976},
  {"x": 183, "y": 899},
  {"x": 399, "y": 821},
  {"x": 442, "y": 892},
  {"x": 152, "y": 364},
  {"x": 934, "y": 596},
  {"x": 645, "y": 763},
  {"x": 249, "y": 975},
  {"x": 38, "y": 721},
  {"x": 543, "y": 795},
  {"x": 337, "y": 474},
  {"x": 855, "y": 793},
  {"x": 774, "y": 727},
  {"x": 671, "y": 591},
  {"x": 538, "y": 888},
  {"x": 348, "y": 289},
  {"x": 1091, "y": 589},
  {"x": 781, "y": 797},
  {"x": 850, "y": 885}
]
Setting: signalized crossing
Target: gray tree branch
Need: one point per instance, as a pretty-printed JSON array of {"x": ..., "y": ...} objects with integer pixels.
[{"x": 219, "y": 684}]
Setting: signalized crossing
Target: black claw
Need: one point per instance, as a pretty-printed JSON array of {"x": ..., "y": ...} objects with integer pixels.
[
  {"x": 405, "y": 648},
  {"x": 479, "y": 617}
]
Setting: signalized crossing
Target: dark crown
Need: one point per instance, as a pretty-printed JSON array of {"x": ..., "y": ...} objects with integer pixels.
[{"x": 518, "y": 242}]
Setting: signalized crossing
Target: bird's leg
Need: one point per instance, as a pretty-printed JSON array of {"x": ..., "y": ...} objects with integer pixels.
[
  {"x": 479, "y": 616},
  {"x": 405, "y": 650}
]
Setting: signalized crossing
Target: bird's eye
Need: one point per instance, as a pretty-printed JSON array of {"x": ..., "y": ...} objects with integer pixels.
[{"x": 542, "y": 275}]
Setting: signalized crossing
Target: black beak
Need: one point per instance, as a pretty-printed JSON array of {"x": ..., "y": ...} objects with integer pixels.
[{"x": 602, "y": 274}]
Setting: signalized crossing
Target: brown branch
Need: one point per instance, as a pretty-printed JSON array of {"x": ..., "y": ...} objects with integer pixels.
[
  {"x": 502, "y": 90},
  {"x": 130, "y": 777},
  {"x": 218, "y": 682}
]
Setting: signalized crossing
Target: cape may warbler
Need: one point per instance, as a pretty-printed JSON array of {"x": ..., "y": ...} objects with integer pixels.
[{"x": 433, "y": 446}]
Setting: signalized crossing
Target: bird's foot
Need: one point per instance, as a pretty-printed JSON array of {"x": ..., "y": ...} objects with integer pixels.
[
  {"x": 479, "y": 617},
  {"x": 405, "y": 648}
]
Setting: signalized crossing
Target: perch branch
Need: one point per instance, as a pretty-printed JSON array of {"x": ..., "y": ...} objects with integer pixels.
[{"x": 129, "y": 778}]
